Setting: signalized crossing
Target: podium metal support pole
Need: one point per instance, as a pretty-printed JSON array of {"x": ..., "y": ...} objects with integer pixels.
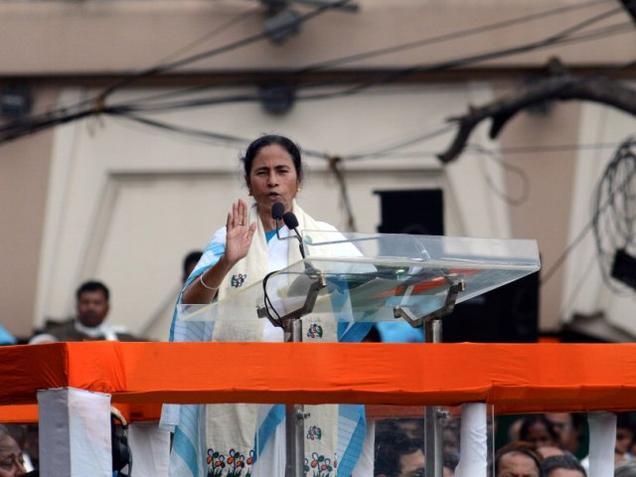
[
  {"x": 294, "y": 415},
  {"x": 433, "y": 334},
  {"x": 433, "y": 436},
  {"x": 293, "y": 331}
]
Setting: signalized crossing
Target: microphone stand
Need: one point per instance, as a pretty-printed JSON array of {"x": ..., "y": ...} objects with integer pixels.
[{"x": 292, "y": 327}]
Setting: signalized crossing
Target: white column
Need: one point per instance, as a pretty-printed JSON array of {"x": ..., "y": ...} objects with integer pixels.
[
  {"x": 75, "y": 437},
  {"x": 473, "y": 441},
  {"x": 602, "y": 442},
  {"x": 150, "y": 449}
]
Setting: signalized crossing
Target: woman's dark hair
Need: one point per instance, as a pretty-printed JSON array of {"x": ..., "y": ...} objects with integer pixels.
[{"x": 268, "y": 140}]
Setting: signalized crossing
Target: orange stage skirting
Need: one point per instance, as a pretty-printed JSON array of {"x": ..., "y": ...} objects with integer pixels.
[{"x": 514, "y": 378}]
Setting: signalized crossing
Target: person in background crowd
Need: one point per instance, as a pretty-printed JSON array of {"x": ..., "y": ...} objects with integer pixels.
[
  {"x": 92, "y": 305},
  {"x": 626, "y": 470},
  {"x": 564, "y": 465},
  {"x": 568, "y": 426},
  {"x": 6, "y": 338},
  {"x": 11, "y": 461},
  {"x": 624, "y": 439},
  {"x": 412, "y": 428},
  {"x": 189, "y": 262},
  {"x": 513, "y": 430},
  {"x": 22, "y": 437},
  {"x": 396, "y": 455},
  {"x": 517, "y": 459},
  {"x": 538, "y": 431},
  {"x": 548, "y": 451},
  {"x": 451, "y": 460},
  {"x": 450, "y": 437}
]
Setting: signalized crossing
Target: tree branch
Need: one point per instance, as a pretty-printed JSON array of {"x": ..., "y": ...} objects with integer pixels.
[{"x": 563, "y": 87}]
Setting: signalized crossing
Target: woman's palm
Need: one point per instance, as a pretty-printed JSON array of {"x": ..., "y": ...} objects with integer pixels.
[{"x": 238, "y": 241}]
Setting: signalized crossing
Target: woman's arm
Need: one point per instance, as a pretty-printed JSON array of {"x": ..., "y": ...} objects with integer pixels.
[{"x": 237, "y": 243}]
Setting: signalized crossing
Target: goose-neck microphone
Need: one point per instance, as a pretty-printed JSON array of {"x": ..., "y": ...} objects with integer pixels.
[
  {"x": 291, "y": 222},
  {"x": 278, "y": 209}
]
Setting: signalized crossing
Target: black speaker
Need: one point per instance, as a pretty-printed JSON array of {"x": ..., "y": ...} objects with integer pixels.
[
  {"x": 419, "y": 211},
  {"x": 508, "y": 314}
]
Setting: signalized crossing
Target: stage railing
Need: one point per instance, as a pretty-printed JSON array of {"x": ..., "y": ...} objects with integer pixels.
[{"x": 514, "y": 378}]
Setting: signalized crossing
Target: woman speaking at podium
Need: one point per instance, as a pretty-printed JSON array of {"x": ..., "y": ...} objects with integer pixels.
[{"x": 245, "y": 439}]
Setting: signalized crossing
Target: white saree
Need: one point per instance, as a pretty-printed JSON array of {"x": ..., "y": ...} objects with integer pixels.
[{"x": 248, "y": 440}]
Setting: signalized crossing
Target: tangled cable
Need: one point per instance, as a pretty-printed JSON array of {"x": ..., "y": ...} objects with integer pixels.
[{"x": 615, "y": 209}]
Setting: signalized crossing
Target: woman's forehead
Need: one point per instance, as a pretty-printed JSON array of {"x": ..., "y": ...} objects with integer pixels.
[{"x": 272, "y": 155}]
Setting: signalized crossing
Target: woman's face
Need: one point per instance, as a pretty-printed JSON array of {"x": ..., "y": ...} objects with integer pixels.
[
  {"x": 11, "y": 464},
  {"x": 273, "y": 178},
  {"x": 539, "y": 435}
]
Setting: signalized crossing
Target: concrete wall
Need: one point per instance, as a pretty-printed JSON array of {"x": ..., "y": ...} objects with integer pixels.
[
  {"x": 113, "y": 200},
  {"x": 52, "y": 38},
  {"x": 24, "y": 175},
  {"x": 126, "y": 202}
]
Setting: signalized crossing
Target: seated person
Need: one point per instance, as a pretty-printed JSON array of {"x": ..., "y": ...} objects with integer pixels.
[
  {"x": 92, "y": 308},
  {"x": 11, "y": 461}
]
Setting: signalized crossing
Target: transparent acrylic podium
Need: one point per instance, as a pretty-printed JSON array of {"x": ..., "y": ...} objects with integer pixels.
[{"x": 348, "y": 282}]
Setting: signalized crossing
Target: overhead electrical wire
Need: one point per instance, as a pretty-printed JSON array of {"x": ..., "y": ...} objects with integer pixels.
[
  {"x": 604, "y": 202},
  {"x": 225, "y": 140},
  {"x": 312, "y": 68},
  {"x": 564, "y": 37},
  {"x": 97, "y": 103},
  {"x": 196, "y": 57},
  {"x": 449, "y": 36},
  {"x": 545, "y": 149},
  {"x": 382, "y": 152},
  {"x": 614, "y": 225},
  {"x": 420, "y": 137},
  {"x": 209, "y": 35},
  {"x": 131, "y": 109},
  {"x": 15, "y": 130},
  {"x": 495, "y": 156},
  {"x": 551, "y": 41}
]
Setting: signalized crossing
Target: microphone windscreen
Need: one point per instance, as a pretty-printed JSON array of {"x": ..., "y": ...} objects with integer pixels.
[
  {"x": 290, "y": 220},
  {"x": 278, "y": 209}
]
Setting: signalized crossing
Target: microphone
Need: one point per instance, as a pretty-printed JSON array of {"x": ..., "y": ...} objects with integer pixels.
[
  {"x": 278, "y": 209},
  {"x": 291, "y": 222}
]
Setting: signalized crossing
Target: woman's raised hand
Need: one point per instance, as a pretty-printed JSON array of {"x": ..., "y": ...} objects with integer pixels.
[{"x": 239, "y": 233}]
